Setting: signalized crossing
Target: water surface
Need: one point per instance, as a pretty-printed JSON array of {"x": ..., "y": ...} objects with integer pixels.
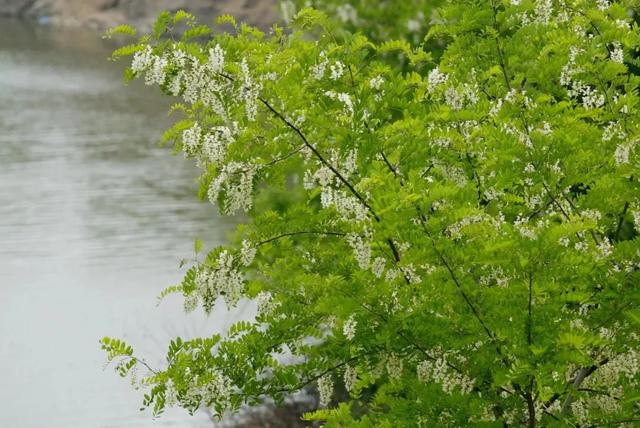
[{"x": 94, "y": 219}]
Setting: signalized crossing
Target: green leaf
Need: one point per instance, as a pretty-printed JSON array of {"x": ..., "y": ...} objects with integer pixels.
[{"x": 122, "y": 29}]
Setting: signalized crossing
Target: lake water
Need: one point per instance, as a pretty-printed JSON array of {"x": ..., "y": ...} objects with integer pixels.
[{"x": 94, "y": 219}]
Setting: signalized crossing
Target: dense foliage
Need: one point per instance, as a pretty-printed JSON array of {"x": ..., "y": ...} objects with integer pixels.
[{"x": 452, "y": 239}]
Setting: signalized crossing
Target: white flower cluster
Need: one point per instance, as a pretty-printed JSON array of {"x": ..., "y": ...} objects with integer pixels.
[
  {"x": 626, "y": 364},
  {"x": 623, "y": 152},
  {"x": 377, "y": 266},
  {"x": 142, "y": 60},
  {"x": 349, "y": 207},
  {"x": 361, "y": 250},
  {"x": 317, "y": 70},
  {"x": 543, "y": 11},
  {"x": 206, "y": 82},
  {"x": 325, "y": 390},
  {"x": 145, "y": 61},
  {"x": 215, "y": 144},
  {"x": 435, "y": 79},
  {"x": 376, "y": 82},
  {"x": 496, "y": 276},
  {"x": 249, "y": 92},
  {"x": 202, "y": 82},
  {"x": 247, "y": 252},
  {"x": 349, "y": 328},
  {"x": 170, "y": 394},
  {"x": 350, "y": 378},
  {"x": 337, "y": 70},
  {"x": 222, "y": 281},
  {"x": 265, "y": 303},
  {"x": 409, "y": 273},
  {"x": 601, "y": 403},
  {"x": 210, "y": 147},
  {"x": 344, "y": 98},
  {"x": 636, "y": 219},
  {"x": 439, "y": 372},
  {"x": 617, "y": 54},
  {"x": 236, "y": 182},
  {"x": 591, "y": 98},
  {"x": 394, "y": 366},
  {"x": 191, "y": 139},
  {"x": 613, "y": 130},
  {"x": 214, "y": 393},
  {"x": 347, "y": 13},
  {"x": 455, "y": 230},
  {"x": 521, "y": 225}
]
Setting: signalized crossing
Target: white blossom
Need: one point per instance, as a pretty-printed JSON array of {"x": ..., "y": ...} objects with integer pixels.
[
  {"x": 317, "y": 70},
  {"x": 265, "y": 303},
  {"x": 613, "y": 130},
  {"x": 191, "y": 138},
  {"x": 439, "y": 372},
  {"x": 349, "y": 207},
  {"x": 621, "y": 155},
  {"x": 235, "y": 181},
  {"x": 214, "y": 393},
  {"x": 377, "y": 266},
  {"x": 142, "y": 60},
  {"x": 394, "y": 366},
  {"x": 215, "y": 144},
  {"x": 436, "y": 78},
  {"x": 337, "y": 70},
  {"x": 524, "y": 229},
  {"x": 414, "y": 25},
  {"x": 636, "y": 219},
  {"x": 287, "y": 10},
  {"x": 344, "y": 98},
  {"x": 325, "y": 390},
  {"x": 347, "y": 13},
  {"x": 543, "y": 11},
  {"x": 376, "y": 82},
  {"x": 350, "y": 378},
  {"x": 617, "y": 54},
  {"x": 361, "y": 250},
  {"x": 249, "y": 92},
  {"x": 224, "y": 281},
  {"x": 453, "y": 98},
  {"x": 190, "y": 302},
  {"x": 247, "y": 253},
  {"x": 349, "y": 328},
  {"x": 216, "y": 59},
  {"x": 156, "y": 74},
  {"x": 171, "y": 395}
]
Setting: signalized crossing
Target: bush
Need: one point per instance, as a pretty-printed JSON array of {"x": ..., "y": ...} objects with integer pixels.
[{"x": 455, "y": 238}]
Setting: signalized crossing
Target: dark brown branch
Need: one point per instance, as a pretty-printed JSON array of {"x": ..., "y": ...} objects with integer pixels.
[
  {"x": 305, "y": 232},
  {"x": 313, "y": 149},
  {"x": 621, "y": 220},
  {"x": 321, "y": 158},
  {"x": 530, "y": 315}
]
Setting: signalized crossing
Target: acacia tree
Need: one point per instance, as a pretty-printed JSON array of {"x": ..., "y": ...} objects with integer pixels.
[{"x": 458, "y": 242}]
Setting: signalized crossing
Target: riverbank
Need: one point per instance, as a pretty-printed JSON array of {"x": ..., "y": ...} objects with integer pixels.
[{"x": 102, "y": 14}]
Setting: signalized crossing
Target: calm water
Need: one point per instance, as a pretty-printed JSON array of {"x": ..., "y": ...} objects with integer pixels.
[{"x": 94, "y": 219}]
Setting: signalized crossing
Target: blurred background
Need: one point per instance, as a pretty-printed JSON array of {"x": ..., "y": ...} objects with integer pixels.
[{"x": 94, "y": 215}]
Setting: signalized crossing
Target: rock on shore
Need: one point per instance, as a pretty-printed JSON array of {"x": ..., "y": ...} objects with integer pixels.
[{"x": 102, "y": 14}]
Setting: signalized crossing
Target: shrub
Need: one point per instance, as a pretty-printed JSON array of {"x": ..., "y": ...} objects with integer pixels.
[{"x": 456, "y": 237}]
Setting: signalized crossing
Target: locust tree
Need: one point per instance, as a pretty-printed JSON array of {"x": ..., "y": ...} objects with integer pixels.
[{"x": 445, "y": 227}]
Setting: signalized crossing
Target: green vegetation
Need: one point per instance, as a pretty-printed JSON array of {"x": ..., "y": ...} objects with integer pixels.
[{"x": 442, "y": 219}]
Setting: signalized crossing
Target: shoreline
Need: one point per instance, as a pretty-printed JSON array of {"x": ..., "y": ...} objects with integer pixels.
[{"x": 103, "y": 14}]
